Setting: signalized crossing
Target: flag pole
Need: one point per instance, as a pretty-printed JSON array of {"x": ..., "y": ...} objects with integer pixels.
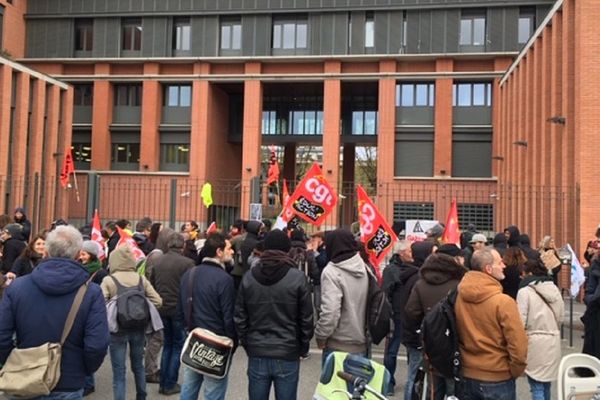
[{"x": 76, "y": 187}]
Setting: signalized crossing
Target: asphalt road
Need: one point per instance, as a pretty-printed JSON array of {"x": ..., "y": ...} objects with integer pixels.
[{"x": 310, "y": 370}]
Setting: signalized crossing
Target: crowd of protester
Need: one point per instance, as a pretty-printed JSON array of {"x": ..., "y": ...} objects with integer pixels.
[{"x": 272, "y": 291}]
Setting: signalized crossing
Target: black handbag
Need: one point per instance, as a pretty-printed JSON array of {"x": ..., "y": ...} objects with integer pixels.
[{"x": 204, "y": 351}]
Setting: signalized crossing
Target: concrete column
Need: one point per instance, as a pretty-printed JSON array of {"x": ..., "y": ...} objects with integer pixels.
[
  {"x": 332, "y": 108},
  {"x": 151, "y": 113},
  {"x": 251, "y": 135},
  {"x": 101, "y": 119},
  {"x": 442, "y": 142}
]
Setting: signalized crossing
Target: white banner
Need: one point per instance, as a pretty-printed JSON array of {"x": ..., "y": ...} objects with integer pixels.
[
  {"x": 416, "y": 228},
  {"x": 577, "y": 274}
]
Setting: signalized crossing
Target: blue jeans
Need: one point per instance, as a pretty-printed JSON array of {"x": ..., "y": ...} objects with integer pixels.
[
  {"x": 76, "y": 395},
  {"x": 539, "y": 390},
  {"x": 391, "y": 352},
  {"x": 474, "y": 389},
  {"x": 90, "y": 381},
  {"x": 118, "y": 351},
  {"x": 214, "y": 389},
  {"x": 169, "y": 364},
  {"x": 415, "y": 359},
  {"x": 283, "y": 374}
]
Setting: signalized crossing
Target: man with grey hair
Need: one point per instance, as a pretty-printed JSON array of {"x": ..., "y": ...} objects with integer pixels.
[
  {"x": 398, "y": 278},
  {"x": 166, "y": 279},
  {"x": 35, "y": 308},
  {"x": 492, "y": 339}
]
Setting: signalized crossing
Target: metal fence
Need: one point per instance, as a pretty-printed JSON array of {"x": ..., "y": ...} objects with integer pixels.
[{"x": 490, "y": 206}]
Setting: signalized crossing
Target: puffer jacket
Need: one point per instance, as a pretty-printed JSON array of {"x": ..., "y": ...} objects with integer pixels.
[
  {"x": 122, "y": 268},
  {"x": 344, "y": 288},
  {"x": 542, "y": 310},
  {"x": 492, "y": 338},
  {"x": 274, "y": 313},
  {"x": 438, "y": 276}
]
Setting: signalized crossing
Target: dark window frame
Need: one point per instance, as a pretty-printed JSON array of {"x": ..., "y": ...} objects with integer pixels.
[
  {"x": 280, "y": 30},
  {"x": 457, "y": 87},
  {"x": 415, "y": 87},
  {"x": 84, "y": 35},
  {"x": 233, "y": 27},
  {"x": 131, "y": 34},
  {"x": 525, "y": 13},
  {"x": 182, "y": 27},
  {"x": 369, "y": 30},
  {"x": 179, "y": 89},
  {"x": 472, "y": 17},
  {"x": 127, "y": 95},
  {"x": 83, "y": 95}
]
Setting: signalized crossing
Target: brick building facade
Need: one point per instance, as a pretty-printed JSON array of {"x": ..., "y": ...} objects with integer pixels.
[{"x": 178, "y": 93}]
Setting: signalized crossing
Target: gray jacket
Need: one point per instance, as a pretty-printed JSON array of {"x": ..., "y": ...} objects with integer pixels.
[{"x": 342, "y": 322}]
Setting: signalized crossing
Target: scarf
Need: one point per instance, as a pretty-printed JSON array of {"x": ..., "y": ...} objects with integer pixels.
[
  {"x": 93, "y": 266},
  {"x": 529, "y": 279}
]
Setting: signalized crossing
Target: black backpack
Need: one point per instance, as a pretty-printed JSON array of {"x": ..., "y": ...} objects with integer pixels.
[
  {"x": 440, "y": 338},
  {"x": 379, "y": 311},
  {"x": 133, "y": 311}
]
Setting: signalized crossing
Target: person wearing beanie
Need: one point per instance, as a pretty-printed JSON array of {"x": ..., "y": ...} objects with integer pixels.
[
  {"x": 453, "y": 251},
  {"x": 274, "y": 320},
  {"x": 12, "y": 246},
  {"x": 89, "y": 259},
  {"x": 21, "y": 219},
  {"x": 341, "y": 324}
]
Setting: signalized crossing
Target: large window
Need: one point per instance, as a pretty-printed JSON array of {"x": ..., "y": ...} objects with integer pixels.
[
  {"x": 128, "y": 95},
  {"x": 125, "y": 154},
  {"x": 364, "y": 122},
  {"x": 415, "y": 95},
  {"x": 84, "y": 35},
  {"x": 131, "y": 38},
  {"x": 472, "y": 29},
  {"x": 526, "y": 24},
  {"x": 290, "y": 33},
  {"x": 414, "y": 154},
  {"x": 82, "y": 148},
  {"x": 472, "y": 95},
  {"x": 174, "y": 156},
  {"x": 182, "y": 35},
  {"x": 83, "y": 95},
  {"x": 287, "y": 115},
  {"x": 405, "y": 210},
  {"x": 370, "y": 30},
  {"x": 178, "y": 96},
  {"x": 472, "y": 154},
  {"x": 231, "y": 35}
]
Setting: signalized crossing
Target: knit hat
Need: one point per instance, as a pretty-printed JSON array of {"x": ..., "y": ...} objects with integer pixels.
[
  {"x": 298, "y": 235},
  {"x": 91, "y": 247},
  {"x": 478, "y": 237},
  {"x": 277, "y": 240},
  {"x": 14, "y": 230},
  {"x": 450, "y": 249}
]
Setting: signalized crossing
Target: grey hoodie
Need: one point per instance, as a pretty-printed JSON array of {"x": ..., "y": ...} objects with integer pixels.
[{"x": 342, "y": 322}]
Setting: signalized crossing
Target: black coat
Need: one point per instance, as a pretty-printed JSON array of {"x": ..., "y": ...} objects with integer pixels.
[
  {"x": 11, "y": 250},
  {"x": 408, "y": 278},
  {"x": 306, "y": 262},
  {"x": 591, "y": 322},
  {"x": 166, "y": 279},
  {"x": 249, "y": 243},
  {"x": 274, "y": 317},
  {"x": 25, "y": 265},
  {"x": 113, "y": 240},
  {"x": 391, "y": 284}
]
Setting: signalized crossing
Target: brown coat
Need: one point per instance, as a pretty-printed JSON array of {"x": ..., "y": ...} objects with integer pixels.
[{"x": 493, "y": 342}]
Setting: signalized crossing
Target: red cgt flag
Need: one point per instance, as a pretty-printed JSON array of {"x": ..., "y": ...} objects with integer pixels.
[
  {"x": 452, "y": 232},
  {"x": 313, "y": 198},
  {"x": 273, "y": 174},
  {"x": 97, "y": 235},
  {"x": 68, "y": 168},
  {"x": 126, "y": 239},
  {"x": 375, "y": 232},
  {"x": 211, "y": 228}
]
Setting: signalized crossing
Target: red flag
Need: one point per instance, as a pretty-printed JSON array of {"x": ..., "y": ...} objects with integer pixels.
[
  {"x": 273, "y": 174},
  {"x": 375, "y": 232},
  {"x": 452, "y": 232},
  {"x": 97, "y": 235},
  {"x": 285, "y": 193},
  {"x": 68, "y": 168},
  {"x": 211, "y": 228},
  {"x": 313, "y": 198},
  {"x": 128, "y": 240}
]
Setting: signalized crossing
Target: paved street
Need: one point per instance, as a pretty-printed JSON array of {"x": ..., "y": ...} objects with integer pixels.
[{"x": 310, "y": 370}]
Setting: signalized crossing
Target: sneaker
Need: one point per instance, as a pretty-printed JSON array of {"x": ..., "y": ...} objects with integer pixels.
[
  {"x": 88, "y": 390},
  {"x": 153, "y": 378},
  {"x": 169, "y": 392}
]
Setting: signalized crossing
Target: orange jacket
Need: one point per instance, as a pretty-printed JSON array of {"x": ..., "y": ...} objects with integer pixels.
[{"x": 493, "y": 342}]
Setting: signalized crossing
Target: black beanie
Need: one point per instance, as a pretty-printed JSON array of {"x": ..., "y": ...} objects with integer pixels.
[{"x": 277, "y": 240}]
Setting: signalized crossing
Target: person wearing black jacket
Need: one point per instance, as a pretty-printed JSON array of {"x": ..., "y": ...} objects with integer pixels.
[
  {"x": 274, "y": 320},
  {"x": 253, "y": 231},
  {"x": 304, "y": 259},
  {"x": 400, "y": 261},
  {"x": 213, "y": 302},
  {"x": 12, "y": 246},
  {"x": 21, "y": 219},
  {"x": 113, "y": 236}
]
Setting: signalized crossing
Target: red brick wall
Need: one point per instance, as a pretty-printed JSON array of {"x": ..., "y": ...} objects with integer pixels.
[{"x": 13, "y": 37}]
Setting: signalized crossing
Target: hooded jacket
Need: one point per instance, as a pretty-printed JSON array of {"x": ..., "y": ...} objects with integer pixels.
[
  {"x": 122, "y": 268},
  {"x": 35, "y": 308},
  {"x": 542, "y": 310},
  {"x": 492, "y": 338},
  {"x": 305, "y": 261},
  {"x": 344, "y": 289},
  {"x": 274, "y": 313},
  {"x": 438, "y": 276},
  {"x": 11, "y": 250},
  {"x": 25, "y": 225},
  {"x": 420, "y": 252},
  {"x": 249, "y": 243},
  {"x": 514, "y": 235}
]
